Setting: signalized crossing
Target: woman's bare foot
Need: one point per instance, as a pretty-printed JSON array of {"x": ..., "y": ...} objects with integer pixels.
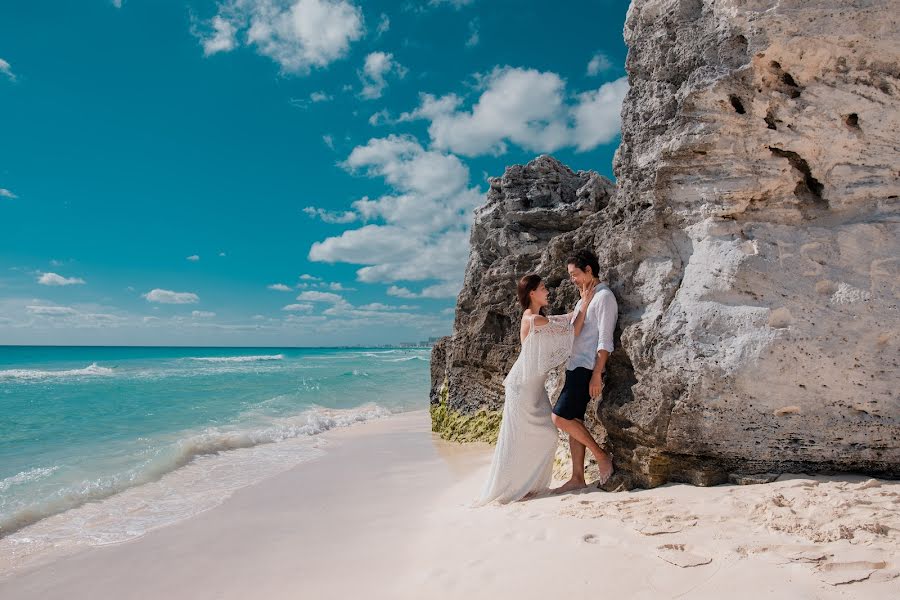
[{"x": 570, "y": 485}]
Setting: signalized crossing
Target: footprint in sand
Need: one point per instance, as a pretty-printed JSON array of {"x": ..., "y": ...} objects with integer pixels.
[
  {"x": 600, "y": 540},
  {"x": 681, "y": 556},
  {"x": 802, "y": 553},
  {"x": 666, "y": 524}
]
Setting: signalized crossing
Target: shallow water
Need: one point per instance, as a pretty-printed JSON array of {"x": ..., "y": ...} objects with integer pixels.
[{"x": 136, "y": 437}]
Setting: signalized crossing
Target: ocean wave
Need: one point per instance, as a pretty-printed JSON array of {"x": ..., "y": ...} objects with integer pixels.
[
  {"x": 32, "y": 374},
  {"x": 238, "y": 359},
  {"x": 182, "y": 452},
  {"x": 406, "y": 358},
  {"x": 30, "y": 475}
]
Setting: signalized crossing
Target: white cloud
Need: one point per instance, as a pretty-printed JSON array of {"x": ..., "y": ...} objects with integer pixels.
[
  {"x": 313, "y": 296},
  {"x": 454, "y": 3},
  {"x": 598, "y": 63},
  {"x": 5, "y": 193},
  {"x": 297, "y": 34},
  {"x": 221, "y": 254},
  {"x": 6, "y": 69},
  {"x": 406, "y": 166},
  {"x": 440, "y": 256},
  {"x": 52, "y": 311},
  {"x": 474, "y": 33},
  {"x": 417, "y": 233},
  {"x": 383, "y": 25},
  {"x": 525, "y": 107},
  {"x": 170, "y": 297},
  {"x": 597, "y": 115},
  {"x": 54, "y": 279},
  {"x": 307, "y": 277},
  {"x": 371, "y": 244},
  {"x": 279, "y": 287},
  {"x": 222, "y": 38},
  {"x": 118, "y": 3},
  {"x": 448, "y": 289},
  {"x": 375, "y": 70},
  {"x": 36, "y": 315},
  {"x": 202, "y": 314},
  {"x": 193, "y": 258},
  {"x": 331, "y": 217},
  {"x": 298, "y": 307},
  {"x": 384, "y": 307},
  {"x": 381, "y": 117},
  {"x": 400, "y": 292},
  {"x": 313, "y": 98}
]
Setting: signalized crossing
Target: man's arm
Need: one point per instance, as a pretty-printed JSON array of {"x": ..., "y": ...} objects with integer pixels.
[{"x": 606, "y": 323}]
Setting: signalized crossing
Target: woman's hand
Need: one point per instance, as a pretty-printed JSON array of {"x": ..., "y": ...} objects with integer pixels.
[{"x": 587, "y": 294}]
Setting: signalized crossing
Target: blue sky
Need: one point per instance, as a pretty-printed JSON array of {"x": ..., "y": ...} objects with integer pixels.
[{"x": 275, "y": 172}]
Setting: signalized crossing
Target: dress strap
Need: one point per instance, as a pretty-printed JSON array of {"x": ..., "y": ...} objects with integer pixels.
[{"x": 531, "y": 324}]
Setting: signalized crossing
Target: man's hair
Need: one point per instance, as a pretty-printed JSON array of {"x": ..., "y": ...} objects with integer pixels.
[{"x": 583, "y": 259}]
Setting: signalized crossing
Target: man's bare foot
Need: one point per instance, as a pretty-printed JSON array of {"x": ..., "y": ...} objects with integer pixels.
[
  {"x": 606, "y": 469},
  {"x": 570, "y": 485}
]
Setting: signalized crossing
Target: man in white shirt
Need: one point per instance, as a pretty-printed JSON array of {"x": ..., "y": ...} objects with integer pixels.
[{"x": 586, "y": 368}]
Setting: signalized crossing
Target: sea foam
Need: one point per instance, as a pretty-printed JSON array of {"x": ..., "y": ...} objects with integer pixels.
[
  {"x": 238, "y": 359},
  {"x": 90, "y": 370},
  {"x": 175, "y": 455}
]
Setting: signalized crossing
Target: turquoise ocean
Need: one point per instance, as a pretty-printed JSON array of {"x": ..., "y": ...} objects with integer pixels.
[{"x": 101, "y": 444}]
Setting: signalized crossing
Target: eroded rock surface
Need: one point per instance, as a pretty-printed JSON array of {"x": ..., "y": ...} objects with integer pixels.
[
  {"x": 525, "y": 209},
  {"x": 753, "y": 243}
]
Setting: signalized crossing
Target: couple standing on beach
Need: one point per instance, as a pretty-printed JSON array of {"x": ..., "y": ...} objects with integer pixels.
[{"x": 526, "y": 447}]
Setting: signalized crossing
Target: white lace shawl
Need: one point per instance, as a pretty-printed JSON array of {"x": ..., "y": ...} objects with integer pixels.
[{"x": 544, "y": 348}]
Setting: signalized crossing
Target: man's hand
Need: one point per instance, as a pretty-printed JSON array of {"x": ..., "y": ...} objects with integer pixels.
[{"x": 596, "y": 386}]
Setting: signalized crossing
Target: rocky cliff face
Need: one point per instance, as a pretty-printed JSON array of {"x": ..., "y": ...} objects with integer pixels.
[
  {"x": 753, "y": 243},
  {"x": 526, "y": 208}
]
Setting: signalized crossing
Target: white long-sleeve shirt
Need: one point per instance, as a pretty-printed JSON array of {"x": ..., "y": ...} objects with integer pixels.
[{"x": 597, "y": 332}]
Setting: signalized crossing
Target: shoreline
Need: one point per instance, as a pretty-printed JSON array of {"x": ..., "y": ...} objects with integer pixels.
[
  {"x": 385, "y": 512},
  {"x": 206, "y": 475}
]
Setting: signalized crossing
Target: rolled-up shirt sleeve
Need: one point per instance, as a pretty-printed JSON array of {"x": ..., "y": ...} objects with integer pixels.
[{"x": 608, "y": 312}]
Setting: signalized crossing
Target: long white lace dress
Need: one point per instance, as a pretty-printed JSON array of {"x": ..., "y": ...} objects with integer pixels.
[{"x": 526, "y": 446}]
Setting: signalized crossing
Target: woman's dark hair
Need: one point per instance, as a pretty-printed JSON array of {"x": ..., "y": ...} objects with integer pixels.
[
  {"x": 527, "y": 284},
  {"x": 583, "y": 259}
]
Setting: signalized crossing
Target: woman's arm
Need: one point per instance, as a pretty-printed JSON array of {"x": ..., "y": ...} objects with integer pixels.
[
  {"x": 587, "y": 294},
  {"x": 539, "y": 321},
  {"x": 580, "y": 313}
]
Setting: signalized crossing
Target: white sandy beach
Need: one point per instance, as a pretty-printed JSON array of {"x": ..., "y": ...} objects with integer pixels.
[{"x": 385, "y": 513}]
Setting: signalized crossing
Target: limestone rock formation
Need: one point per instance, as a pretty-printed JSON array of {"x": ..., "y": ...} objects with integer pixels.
[
  {"x": 753, "y": 243},
  {"x": 526, "y": 208}
]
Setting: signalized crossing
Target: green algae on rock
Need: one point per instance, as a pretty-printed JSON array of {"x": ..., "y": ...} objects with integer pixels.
[{"x": 480, "y": 426}]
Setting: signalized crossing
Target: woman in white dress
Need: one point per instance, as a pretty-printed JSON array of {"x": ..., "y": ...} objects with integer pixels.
[{"x": 526, "y": 446}]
